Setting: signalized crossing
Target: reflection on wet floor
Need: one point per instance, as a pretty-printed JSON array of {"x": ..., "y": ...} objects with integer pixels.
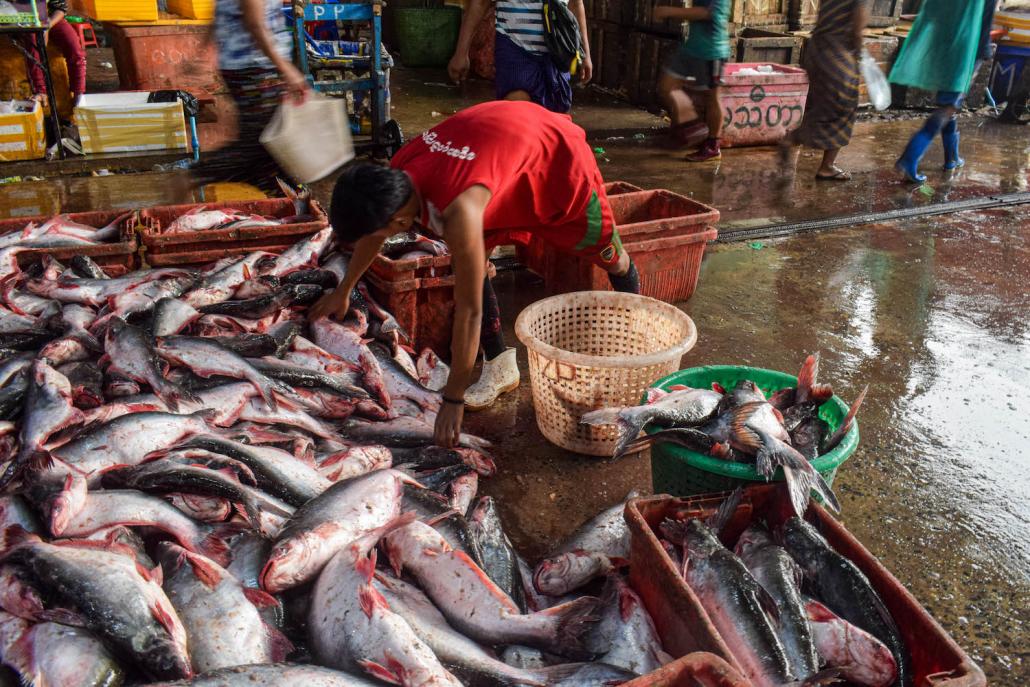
[
  {"x": 932, "y": 315},
  {"x": 749, "y": 188}
]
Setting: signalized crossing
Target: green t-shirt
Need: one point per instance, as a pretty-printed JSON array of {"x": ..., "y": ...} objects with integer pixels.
[{"x": 709, "y": 40}]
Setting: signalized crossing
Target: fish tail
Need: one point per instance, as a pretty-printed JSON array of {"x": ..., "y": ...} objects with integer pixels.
[
  {"x": 718, "y": 520},
  {"x": 89, "y": 340},
  {"x": 213, "y": 545},
  {"x": 172, "y": 394},
  {"x": 551, "y": 675},
  {"x": 571, "y": 622},
  {"x": 827, "y": 676},
  {"x": 849, "y": 420},
  {"x": 629, "y": 423},
  {"x": 674, "y": 530},
  {"x": 807, "y": 377}
]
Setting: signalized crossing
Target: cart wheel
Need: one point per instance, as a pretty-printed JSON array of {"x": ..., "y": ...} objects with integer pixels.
[{"x": 393, "y": 137}]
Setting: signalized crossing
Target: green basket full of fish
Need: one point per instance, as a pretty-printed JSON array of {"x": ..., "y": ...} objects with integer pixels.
[{"x": 718, "y": 427}]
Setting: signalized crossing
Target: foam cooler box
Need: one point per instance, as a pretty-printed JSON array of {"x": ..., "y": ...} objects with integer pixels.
[
  {"x": 126, "y": 122},
  {"x": 761, "y": 109},
  {"x": 115, "y": 258},
  {"x": 665, "y": 234},
  {"x": 22, "y": 136},
  {"x": 937, "y": 661},
  {"x": 161, "y": 248}
]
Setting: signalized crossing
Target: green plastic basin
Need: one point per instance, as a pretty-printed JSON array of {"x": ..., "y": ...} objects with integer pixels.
[{"x": 681, "y": 472}]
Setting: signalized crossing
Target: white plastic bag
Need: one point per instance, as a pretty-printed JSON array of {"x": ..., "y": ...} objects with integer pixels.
[
  {"x": 310, "y": 140},
  {"x": 875, "y": 81}
]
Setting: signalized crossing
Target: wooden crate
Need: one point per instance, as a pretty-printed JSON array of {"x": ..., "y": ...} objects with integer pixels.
[
  {"x": 759, "y": 45},
  {"x": 647, "y": 53},
  {"x": 767, "y": 14},
  {"x": 619, "y": 12},
  {"x": 885, "y": 13},
  {"x": 643, "y": 19},
  {"x": 802, "y": 14},
  {"x": 615, "y": 47},
  {"x": 596, "y": 34}
]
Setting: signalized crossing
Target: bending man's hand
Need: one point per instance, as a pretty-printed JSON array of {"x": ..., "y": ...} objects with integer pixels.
[
  {"x": 448, "y": 425},
  {"x": 335, "y": 304}
]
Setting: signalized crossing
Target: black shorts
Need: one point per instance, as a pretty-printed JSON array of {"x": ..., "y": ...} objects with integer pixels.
[{"x": 700, "y": 75}]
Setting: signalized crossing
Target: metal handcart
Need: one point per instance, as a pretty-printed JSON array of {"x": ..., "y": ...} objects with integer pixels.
[{"x": 367, "y": 65}]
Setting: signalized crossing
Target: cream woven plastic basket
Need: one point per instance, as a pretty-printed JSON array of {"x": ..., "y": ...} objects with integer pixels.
[{"x": 596, "y": 349}]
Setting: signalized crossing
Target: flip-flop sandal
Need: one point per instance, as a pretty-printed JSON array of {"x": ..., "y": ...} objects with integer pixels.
[{"x": 839, "y": 175}]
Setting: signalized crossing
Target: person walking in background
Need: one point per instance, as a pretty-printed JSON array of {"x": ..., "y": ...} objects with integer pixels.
[
  {"x": 696, "y": 66},
  {"x": 254, "y": 52},
  {"x": 942, "y": 52},
  {"x": 831, "y": 60},
  {"x": 525, "y": 70},
  {"x": 61, "y": 34}
]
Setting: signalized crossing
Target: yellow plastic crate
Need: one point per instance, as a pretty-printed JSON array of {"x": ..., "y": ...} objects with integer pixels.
[
  {"x": 22, "y": 136},
  {"x": 126, "y": 122},
  {"x": 117, "y": 10},
  {"x": 193, "y": 9}
]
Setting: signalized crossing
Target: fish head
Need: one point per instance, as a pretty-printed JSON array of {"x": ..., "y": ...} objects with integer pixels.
[
  {"x": 292, "y": 561},
  {"x": 754, "y": 538},
  {"x": 164, "y": 658},
  {"x": 746, "y": 391},
  {"x": 802, "y": 541},
  {"x": 558, "y": 575}
]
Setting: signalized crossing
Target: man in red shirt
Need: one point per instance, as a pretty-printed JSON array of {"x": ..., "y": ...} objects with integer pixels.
[{"x": 489, "y": 172}]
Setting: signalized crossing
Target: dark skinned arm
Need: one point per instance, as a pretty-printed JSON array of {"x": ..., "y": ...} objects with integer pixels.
[
  {"x": 860, "y": 19},
  {"x": 337, "y": 302},
  {"x": 682, "y": 13},
  {"x": 458, "y": 68},
  {"x": 463, "y": 231},
  {"x": 254, "y": 22}
]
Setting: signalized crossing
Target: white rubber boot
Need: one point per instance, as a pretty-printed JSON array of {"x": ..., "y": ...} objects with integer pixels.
[{"x": 499, "y": 375}]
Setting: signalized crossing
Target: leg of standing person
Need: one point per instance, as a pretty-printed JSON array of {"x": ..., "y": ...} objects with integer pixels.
[
  {"x": 686, "y": 129},
  {"x": 908, "y": 164},
  {"x": 500, "y": 371},
  {"x": 63, "y": 35},
  {"x": 708, "y": 85}
]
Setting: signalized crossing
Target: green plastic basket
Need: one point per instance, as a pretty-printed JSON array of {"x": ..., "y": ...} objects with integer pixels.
[{"x": 681, "y": 472}]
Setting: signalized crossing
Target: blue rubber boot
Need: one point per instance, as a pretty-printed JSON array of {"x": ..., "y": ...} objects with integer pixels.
[
  {"x": 908, "y": 163},
  {"x": 950, "y": 138}
]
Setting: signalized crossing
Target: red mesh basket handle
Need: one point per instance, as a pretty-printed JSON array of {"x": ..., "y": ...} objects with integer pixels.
[{"x": 558, "y": 371}]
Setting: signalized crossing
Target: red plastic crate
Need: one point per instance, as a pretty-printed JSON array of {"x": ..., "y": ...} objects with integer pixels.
[
  {"x": 614, "y": 188},
  {"x": 116, "y": 258},
  {"x": 937, "y": 661},
  {"x": 423, "y": 306},
  {"x": 159, "y": 248},
  {"x": 659, "y": 213},
  {"x": 699, "y": 669},
  {"x": 412, "y": 268}
]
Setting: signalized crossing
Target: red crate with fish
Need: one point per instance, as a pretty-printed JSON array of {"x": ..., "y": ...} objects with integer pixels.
[
  {"x": 196, "y": 233},
  {"x": 424, "y": 307},
  {"x": 820, "y": 546},
  {"x": 105, "y": 236},
  {"x": 411, "y": 255}
]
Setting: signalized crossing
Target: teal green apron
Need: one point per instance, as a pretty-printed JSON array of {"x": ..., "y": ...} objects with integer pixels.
[{"x": 941, "y": 49}]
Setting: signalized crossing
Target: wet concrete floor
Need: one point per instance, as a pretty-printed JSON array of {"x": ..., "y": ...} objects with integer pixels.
[{"x": 931, "y": 313}]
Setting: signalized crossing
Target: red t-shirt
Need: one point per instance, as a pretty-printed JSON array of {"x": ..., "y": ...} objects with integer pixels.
[{"x": 537, "y": 164}]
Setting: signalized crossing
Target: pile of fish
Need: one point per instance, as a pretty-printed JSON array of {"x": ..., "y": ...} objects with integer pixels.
[
  {"x": 202, "y": 218},
  {"x": 199, "y": 484},
  {"x": 60, "y": 231},
  {"x": 791, "y": 612},
  {"x": 742, "y": 425}
]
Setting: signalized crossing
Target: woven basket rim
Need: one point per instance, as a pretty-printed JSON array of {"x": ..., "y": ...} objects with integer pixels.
[{"x": 612, "y": 298}]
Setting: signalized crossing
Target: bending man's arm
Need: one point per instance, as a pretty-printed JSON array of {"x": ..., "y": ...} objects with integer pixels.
[
  {"x": 463, "y": 231},
  {"x": 337, "y": 302}
]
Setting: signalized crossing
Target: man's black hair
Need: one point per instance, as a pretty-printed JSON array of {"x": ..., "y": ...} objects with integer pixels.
[{"x": 365, "y": 197}]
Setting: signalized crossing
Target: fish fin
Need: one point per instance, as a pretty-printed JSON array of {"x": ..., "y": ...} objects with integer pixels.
[
  {"x": 166, "y": 618},
  {"x": 280, "y": 647},
  {"x": 203, "y": 570},
  {"x": 64, "y": 616},
  {"x": 845, "y": 426},
  {"x": 551, "y": 675},
  {"x": 827, "y": 676},
  {"x": 825, "y": 492},
  {"x": 213, "y": 544},
  {"x": 718, "y": 388},
  {"x": 369, "y": 599},
  {"x": 156, "y": 575},
  {"x": 822, "y": 392},
  {"x": 602, "y": 416},
  {"x": 767, "y": 602},
  {"x": 259, "y": 598},
  {"x": 572, "y": 621},
  {"x": 68, "y": 502},
  {"x": 655, "y": 394},
  {"x": 799, "y": 487},
  {"x": 807, "y": 376},
  {"x": 89, "y": 340},
  {"x": 717, "y": 521},
  {"x": 818, "y": 613},
  {"x": 366, "y": 565}
]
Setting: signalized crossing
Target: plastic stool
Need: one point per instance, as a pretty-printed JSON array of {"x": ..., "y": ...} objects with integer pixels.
[{"x": 81, "y": 28}]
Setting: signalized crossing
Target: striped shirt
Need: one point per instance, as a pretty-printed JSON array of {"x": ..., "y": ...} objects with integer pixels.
[{"x": 523, "y": 22}]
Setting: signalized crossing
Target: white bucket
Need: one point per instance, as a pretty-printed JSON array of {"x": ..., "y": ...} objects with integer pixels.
[{"x": 309, "y": 140}]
